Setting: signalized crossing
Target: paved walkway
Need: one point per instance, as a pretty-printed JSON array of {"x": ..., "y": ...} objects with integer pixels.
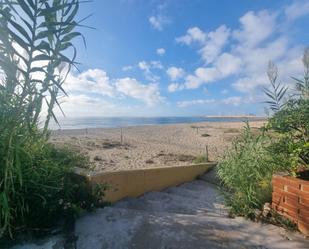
[{"x": 191, "y": 215}]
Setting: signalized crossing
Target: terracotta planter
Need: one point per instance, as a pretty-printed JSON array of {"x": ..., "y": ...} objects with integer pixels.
[{"x": 290, "y": 198}]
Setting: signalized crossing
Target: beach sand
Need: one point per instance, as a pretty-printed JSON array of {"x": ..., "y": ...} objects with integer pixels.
[{"x": 151, "y": 146}]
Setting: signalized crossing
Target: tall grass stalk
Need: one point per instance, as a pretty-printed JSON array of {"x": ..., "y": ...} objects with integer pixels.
[{"x": 36, "y": 54}]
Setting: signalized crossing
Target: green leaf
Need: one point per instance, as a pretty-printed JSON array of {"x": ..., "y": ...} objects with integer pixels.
[
  {"x": 26, "y": 9},
  {"x": 51, "y": 10},
  {"x": 19, "y": 41},
  {"x": 70, "y": 36},
  {"x": 20, "y": 29},
  {"x": 43, "y": 34},
  {"x": 44, "y": 46},
  {"x": 64, "y": 46},
  {"x": 73, "y": 13},
  {"x": 41, "y": 57},
  {"x": 31, "y": 3}
]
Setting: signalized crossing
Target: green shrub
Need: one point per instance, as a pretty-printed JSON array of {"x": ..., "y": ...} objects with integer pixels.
[
  {"x": 290, "y": 118},
  {"x": 292, "y": 124},
  {"x": 37, "y": 186},
  {"x": 246, "y": 171},
  {"x": 247, "y": 168},
  {"x": 46, "y": 189},
  {"x": 201, "y": 159}
]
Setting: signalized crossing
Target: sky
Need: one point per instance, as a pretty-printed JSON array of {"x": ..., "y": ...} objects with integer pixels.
[{"x": 184, "y": 57}]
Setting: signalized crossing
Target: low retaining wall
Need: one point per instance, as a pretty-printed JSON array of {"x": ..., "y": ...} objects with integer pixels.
[
  {"x": 290, "y": 198},
  {"x": 133, "y": 183}
]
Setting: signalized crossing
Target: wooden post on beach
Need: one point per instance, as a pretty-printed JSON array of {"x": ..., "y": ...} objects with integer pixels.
[
  {"x": 121, "y": 136},
  {"x": 206, "y": 152}
]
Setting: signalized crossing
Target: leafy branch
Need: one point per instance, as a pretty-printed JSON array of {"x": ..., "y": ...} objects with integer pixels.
[{"x": 276, "y": 92}]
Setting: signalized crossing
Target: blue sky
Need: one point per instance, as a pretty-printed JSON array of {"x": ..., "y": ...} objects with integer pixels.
[{"x": 184, "y": 57}]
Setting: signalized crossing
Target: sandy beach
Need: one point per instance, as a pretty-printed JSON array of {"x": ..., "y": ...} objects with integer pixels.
[{"x": 112, "y": 149}]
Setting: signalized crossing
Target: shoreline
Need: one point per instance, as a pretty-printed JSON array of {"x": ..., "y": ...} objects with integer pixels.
[{"x": 213, "y": 119}]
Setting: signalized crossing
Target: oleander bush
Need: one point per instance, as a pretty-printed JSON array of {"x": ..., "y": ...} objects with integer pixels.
[{"x": 37, "y": 184}]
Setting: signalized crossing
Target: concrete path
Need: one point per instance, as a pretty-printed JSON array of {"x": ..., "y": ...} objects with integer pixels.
[{"x": 191, "y": 215}]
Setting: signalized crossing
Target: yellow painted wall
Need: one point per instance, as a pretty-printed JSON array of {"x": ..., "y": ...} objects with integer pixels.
[{"x": 133, "y": 183}]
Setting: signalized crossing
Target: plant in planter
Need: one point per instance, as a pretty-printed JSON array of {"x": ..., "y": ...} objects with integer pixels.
[{"x": 290, "y": 122}]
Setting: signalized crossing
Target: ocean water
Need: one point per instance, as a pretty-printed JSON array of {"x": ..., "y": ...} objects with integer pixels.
[{"x": 111, "y": 122}]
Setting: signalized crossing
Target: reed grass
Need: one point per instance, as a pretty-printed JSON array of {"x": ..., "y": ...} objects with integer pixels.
[{"x": 36, "y": 54}]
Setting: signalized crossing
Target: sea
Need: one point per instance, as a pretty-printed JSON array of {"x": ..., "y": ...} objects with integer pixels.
[{"x": 115, "y": 122}]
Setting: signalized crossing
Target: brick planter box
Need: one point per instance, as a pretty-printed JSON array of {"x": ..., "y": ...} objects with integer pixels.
[{"x": 290, "y": 198}]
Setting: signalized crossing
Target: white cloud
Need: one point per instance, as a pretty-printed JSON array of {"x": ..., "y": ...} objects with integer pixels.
[
  {"x": 228, "y": 64},
  {"x": 83, "y": 105},
  {"x": 233, "y": 100},
  {"x": 297, "y": 9},
  {"x": 130, "y": 87},
  {"x": 158, "y": 22},
  {"x": 252, "y": 45},
  {"x": 173, "y": 87},
  {"x": 144, "y": 65},
  {"x": 160, "y": 51},
  {"x": 127, "y": 68},
  {"x": 92, "y": 80},
  {"x": 201, "y": 75},
  {"x": 255, "y": 61},
  {"x": 238, "y": 100},
  {"x": 175, "y": 73},
  {"x": 188, "y": 103},
  {"x": 255, "y": 28},
  {"x": 214, "y": 43},
  {"x": 96, "y": 81},
  {"x": 193, "y": 35},
  {"x": 148, "y": 67}
]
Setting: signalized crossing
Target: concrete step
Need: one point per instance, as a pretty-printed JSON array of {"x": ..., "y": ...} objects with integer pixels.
[
  {"x": 211, "y": 177},
  {"x": 198, "y": 189},
  {"x": 199, "y": 185},
  {"x": 210, "y": 197},
  {"x": 166, "y": 202},
  {"x": 127, "y": 228}
]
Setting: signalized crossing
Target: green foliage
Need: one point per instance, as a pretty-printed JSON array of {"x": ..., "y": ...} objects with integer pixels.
[
  {"x": 246, "y": 170},
  {"x": 276, "y": 92},
  {"x": 201, "y": 159},
  {"x": 292, "y": 125},
  {"x": 291, "y": 122},
  {"x": 36, "y": 54},
  {"x": 302, "y": 85},
  {"x": 46, "y": 189}
]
